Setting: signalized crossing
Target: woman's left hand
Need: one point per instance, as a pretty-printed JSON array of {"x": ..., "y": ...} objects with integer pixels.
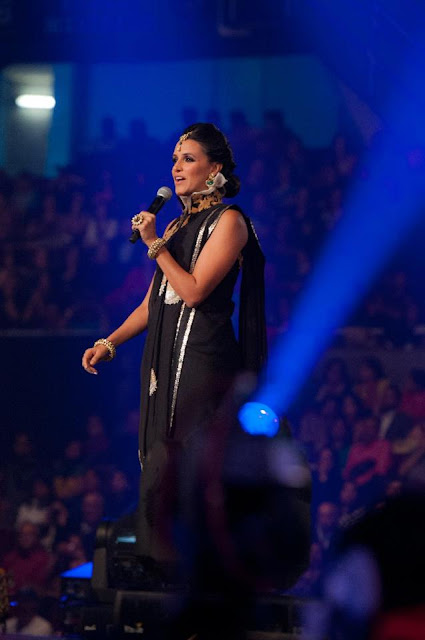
[{"x": 145, "y": 223}]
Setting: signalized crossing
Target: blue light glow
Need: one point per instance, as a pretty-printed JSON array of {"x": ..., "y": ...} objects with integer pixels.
[
  {"x": 258, "y": 419},
  {"x": 84, "y": 571},
  {"x": 384, "y": 205}
]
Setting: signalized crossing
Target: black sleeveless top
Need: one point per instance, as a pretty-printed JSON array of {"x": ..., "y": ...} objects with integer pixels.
[{"x": 191, "y": 355}]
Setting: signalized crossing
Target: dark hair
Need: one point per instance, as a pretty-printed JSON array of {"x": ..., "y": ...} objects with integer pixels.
[{"x": 217, "y": 148}]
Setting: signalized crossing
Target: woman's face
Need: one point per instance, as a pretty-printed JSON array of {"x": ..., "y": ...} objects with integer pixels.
[{"x": 191, "y": 168}]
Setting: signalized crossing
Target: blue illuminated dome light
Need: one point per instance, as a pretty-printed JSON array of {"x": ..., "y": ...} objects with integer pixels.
[{"x": 257, "y": 419}]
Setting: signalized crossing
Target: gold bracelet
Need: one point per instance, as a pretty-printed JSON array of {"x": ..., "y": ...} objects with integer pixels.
[
  {"x": 109, "y": 345},
  {"x": 155, "y": 247}
]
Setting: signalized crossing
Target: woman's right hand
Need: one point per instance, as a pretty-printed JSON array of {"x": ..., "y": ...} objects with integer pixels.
[{"x": 94, "y": 355}]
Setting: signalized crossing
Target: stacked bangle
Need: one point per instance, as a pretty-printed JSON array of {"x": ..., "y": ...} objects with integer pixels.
[
  {"x": 155, "y": 247},
  {"x": 109, "y": 345}
]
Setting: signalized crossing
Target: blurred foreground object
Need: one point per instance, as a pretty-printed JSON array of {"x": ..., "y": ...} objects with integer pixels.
[{"x": 374, "y": 589}]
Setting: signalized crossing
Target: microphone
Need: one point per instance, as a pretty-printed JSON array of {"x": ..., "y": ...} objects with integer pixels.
[{"x": 162, "y": 195}]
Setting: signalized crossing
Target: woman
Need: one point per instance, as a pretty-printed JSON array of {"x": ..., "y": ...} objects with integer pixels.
[{"x": 191, "y": 355}]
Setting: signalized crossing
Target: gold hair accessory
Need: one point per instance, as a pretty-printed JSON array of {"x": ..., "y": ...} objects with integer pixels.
[
  {"x": 138, "y": 218},
  {"x": 109, "y": 345},
  {"x": 155, "y": 247},
  {"x": 182, "y": 138}
]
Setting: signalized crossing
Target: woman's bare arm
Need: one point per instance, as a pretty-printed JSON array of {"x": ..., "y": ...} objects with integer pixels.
[
  {"x": 132, "y": 326},
  {"x": 215, "y": 260}
]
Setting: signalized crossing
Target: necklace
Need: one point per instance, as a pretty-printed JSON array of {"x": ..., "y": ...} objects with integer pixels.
[{"x": 193, "y": 204}]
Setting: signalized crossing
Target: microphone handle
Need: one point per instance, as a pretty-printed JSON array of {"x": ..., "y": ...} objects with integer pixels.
[{"x": 154, "y": 208}]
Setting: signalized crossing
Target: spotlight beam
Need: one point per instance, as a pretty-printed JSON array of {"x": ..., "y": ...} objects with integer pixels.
[{"x": 381, "y": 210}]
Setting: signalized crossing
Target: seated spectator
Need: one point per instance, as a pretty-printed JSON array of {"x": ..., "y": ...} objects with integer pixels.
[
  {"x": 329, "y": 411},
  {"x": 394, "y": 423},
  {"x": 334, "y": 380},
  {"x": 326, "y": 479},
  {"x": 28, "y": 564},
  {"x": 59, "y": 525},
  {"x": 21, "y": 468},
  {"x": 352, "y": 409},
  {"x": 369, "y": 460},
  {"x": 326, "y": 527},
  {"x": 70, "y": 553},
  {"x": 371, "y": 384},
  {"x": 92, "y": 513},
  {"x": 398, "y": 306},
  {"x": 413, "y": 396},
  {"x": 92, "y": 480},
  {"x": 38, "y": 310},
  {"x": 96, "y": 446},
  {"x": 121, "y": 497},
  {"x": 411, "y": 452},
  {"x": 69, "y": 472},
  {"x": 350, "y": 507},
  {"x": 339, "y": 441},
  {"x": 36, "y": 508},
  {"x": 312, "y": 435},
  {"x": 26, "y": 620}
]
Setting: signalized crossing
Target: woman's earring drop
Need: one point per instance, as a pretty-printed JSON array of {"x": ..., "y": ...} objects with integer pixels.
[{"x": 210, "y": 181}]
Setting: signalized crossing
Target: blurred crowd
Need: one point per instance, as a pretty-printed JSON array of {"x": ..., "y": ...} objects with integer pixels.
[
  {"x": 50, "y": 509},
  {"x": 66, "y": 262},
  {"x": 364, "y": 438}
]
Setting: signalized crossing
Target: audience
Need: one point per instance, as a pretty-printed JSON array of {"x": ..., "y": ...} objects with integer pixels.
[{"x": 73, "y": 231}]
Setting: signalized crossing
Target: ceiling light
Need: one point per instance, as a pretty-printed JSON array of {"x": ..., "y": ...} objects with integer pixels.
[{"x": 30, "y": 101}]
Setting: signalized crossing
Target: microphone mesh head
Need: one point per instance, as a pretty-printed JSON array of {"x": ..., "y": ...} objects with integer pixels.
[{"x": 164, "y": 192}]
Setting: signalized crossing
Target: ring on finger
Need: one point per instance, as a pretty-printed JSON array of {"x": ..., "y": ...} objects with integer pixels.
[{"x": 137, "y": 219}]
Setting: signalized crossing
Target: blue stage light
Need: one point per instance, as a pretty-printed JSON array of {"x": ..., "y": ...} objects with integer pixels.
[
  {"x": 258, "y": 419},
  {"x": 83, "y": 571},
  {"x": 383, "y": 205}
]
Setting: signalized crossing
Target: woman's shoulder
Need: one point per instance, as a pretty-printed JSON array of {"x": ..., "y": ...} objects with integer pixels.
[
  {"x": 233, "y": 216},
  {"x": 232, "y": 206}
]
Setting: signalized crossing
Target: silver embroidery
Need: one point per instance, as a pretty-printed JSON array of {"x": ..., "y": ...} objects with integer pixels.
[
  {"x": 195, "y": 256},
  {"x": 197, "y": 249},
  {"x": 153, "y": 383},
  {"x": 174, "y": 399},
  {"x": 179, "y": 321},
  {"x": 214, "y": 224},
  {"x": 171, "y": 297},
  {"x": 162, "y": 287},
  {"x": 180, "y": 363},
  {"x": 254, "y": 231}
]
